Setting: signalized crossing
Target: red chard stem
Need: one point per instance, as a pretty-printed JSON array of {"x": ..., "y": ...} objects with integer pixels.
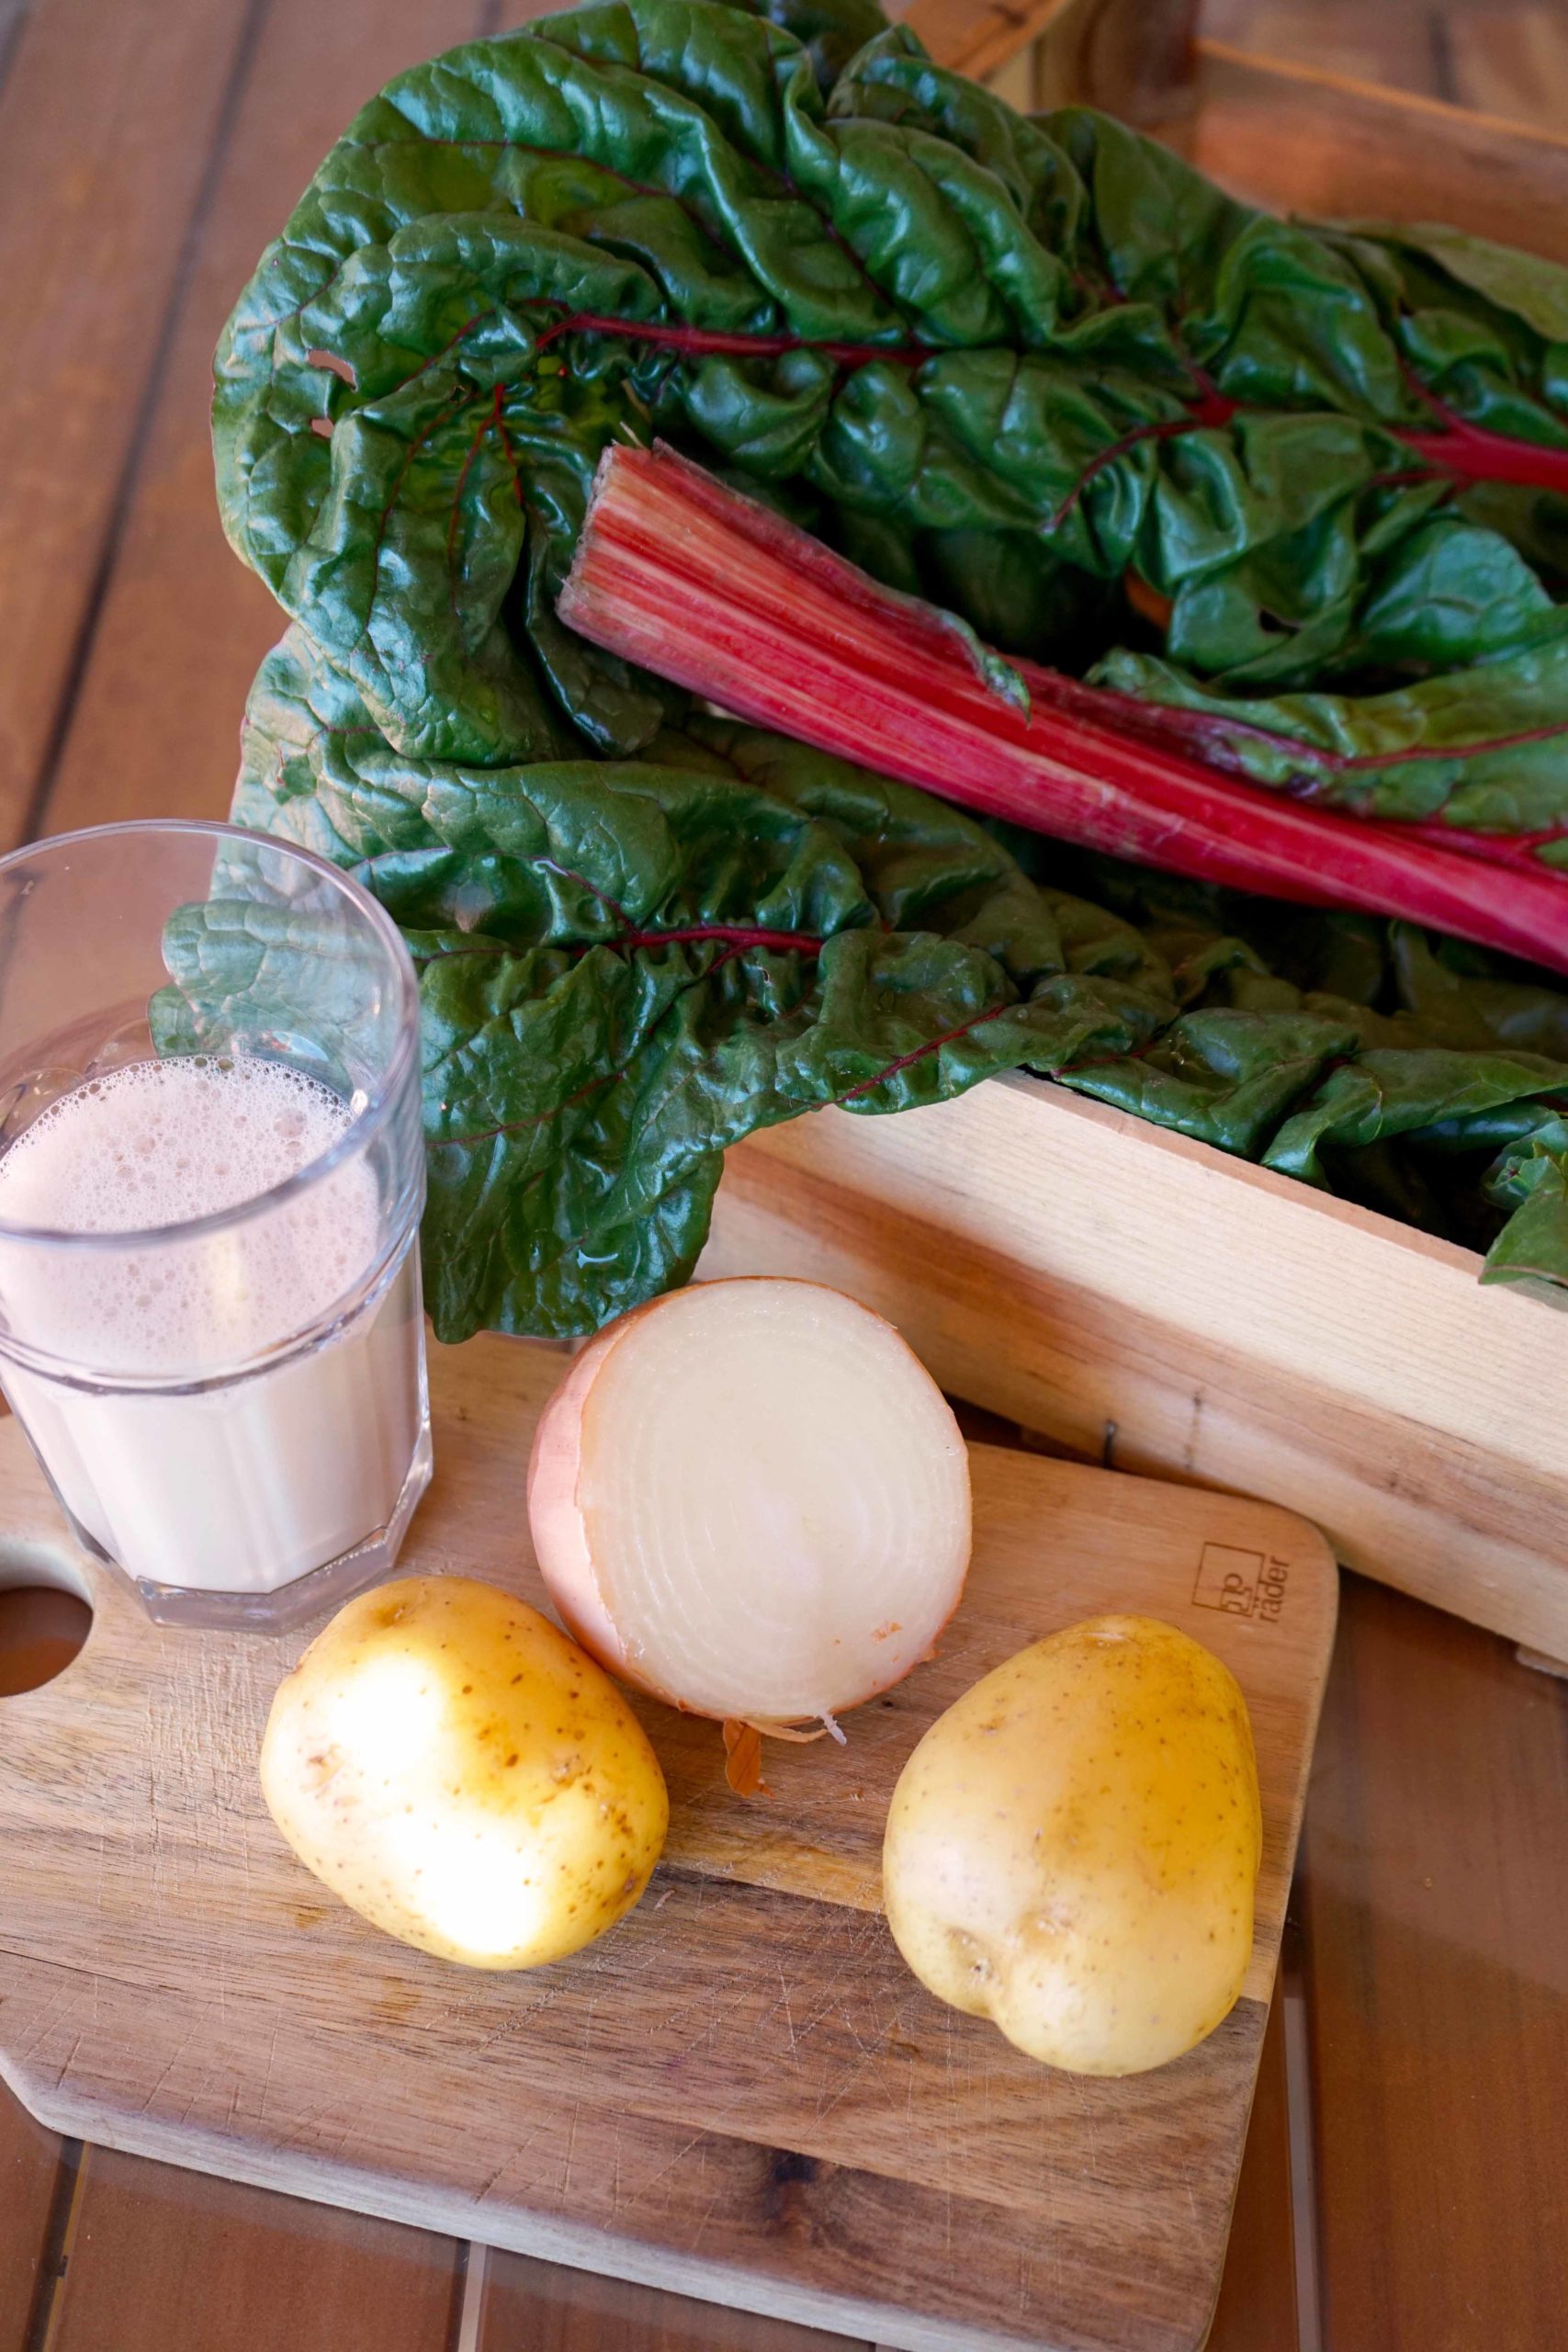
[{"x": 707, "y": 588}]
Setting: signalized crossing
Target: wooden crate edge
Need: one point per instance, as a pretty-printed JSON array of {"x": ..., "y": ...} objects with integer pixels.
[{"x": 1462, "y": 1511}]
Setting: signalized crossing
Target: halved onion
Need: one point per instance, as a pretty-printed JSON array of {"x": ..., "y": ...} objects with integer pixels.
[{"x": 750, "y": 1499}]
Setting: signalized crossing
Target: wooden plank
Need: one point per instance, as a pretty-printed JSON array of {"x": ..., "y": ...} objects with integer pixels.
[
  {"x": 1398, "y": 44},
  {"x": 1511, "y": 61},
  {"x": 1256, "y": 2310},
  {"x": 545, "y": 2308},
  {"x": 182, "y": 622},
  {"x": 161, "y": 2260},
  {"x": 99, "y": 169},
  {"x": 1508, "y": 58},
  {"x": 1132, "y": 58},
  {"x": 30, "y": 2172},
  {"x": 542, "y": 2307},
  {"x": 1080, "y": 1271},
  {"x": 1324, "y": 144},
  {"x": 741, "y": 2093},
  {"x": 12, "y": 15},
  {"x": 1434, "y": 1878}
]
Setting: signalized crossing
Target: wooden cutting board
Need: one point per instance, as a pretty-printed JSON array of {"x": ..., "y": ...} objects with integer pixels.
[{"x": 740, "y": 2092}]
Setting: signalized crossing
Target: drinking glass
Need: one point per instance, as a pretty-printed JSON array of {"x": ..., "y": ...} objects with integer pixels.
[{"x": 257, "y": 1458}]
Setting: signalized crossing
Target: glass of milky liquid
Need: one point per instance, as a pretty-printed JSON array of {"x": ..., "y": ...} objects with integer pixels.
[{"x": 211, "y": 1183}]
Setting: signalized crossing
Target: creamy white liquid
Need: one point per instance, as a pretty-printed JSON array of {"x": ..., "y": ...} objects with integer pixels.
[{"x": 256, "y": 1478}]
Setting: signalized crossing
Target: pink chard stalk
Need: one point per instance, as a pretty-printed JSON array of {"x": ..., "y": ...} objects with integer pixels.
[{"x": 709, "y": 589}]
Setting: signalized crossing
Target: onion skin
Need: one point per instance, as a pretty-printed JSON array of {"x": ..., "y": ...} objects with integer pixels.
[
  {"x": 560, "y": 1534},
  {"x": 562, "y": 1441}
]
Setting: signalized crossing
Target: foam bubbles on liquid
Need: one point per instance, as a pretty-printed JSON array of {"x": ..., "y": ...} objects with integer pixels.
[{"x": 152, "y": 1146}]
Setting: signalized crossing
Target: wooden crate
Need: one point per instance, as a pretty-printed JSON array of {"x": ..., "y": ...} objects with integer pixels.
[
  {"x": 1134, "y": 1295},
  {"x": 1156, "y": 1303}
]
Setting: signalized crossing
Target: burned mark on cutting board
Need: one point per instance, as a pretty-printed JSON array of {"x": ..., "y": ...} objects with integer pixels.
[{"x": 788, "y": 2181}]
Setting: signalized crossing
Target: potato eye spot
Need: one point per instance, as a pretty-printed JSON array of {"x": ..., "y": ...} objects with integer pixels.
[{"x": 971, "y": 1954}]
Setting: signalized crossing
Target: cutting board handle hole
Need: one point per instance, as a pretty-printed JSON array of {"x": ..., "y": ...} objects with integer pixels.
[{"x": 45, "y": 1616}]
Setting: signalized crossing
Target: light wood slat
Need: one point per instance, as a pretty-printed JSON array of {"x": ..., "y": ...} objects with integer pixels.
[
  {"x": 1131, "y": 57},
  {"x": 183, "y": 623},
  {"x": 30, "y": 2169},
  {"x": 1435, "y": 1886},
  {"x": 1126, "y": 55},
  {"x": 1324, "y": 144},
  {"x": 162, "y": 2260},
  {"x": 106, "y": 121},
  {"x": 1508, "y": 58},
  {"x": 1082, "y": 1271},
  {"x": 1511, "y": 61},
  {"x": 542, "y": 2307},
  {"x": 1397, "y": 44}
]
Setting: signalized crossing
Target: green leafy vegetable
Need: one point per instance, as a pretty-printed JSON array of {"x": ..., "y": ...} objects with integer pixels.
[
  {"x": 1014, "y": 366},
  {"x": 1011, "y": 364},
  {"x": 627, "y": 966}
]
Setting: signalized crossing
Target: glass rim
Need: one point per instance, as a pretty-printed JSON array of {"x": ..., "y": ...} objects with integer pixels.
[{"x": 362, "y": 1127}]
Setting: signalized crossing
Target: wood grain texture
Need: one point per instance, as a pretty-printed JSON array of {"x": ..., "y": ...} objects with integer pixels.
[
  {"x": 1256, "y": 2310},
  {"x": 30, "y": 2169},
  {"x": 1502, "y": 57},
  {"x": 183, "y": 623},
  {"x": 532, "y": 2306},
  {"x": 1509, "y": 60},
  {"x": 741, "y": 2093},
  {"x": 149, "y": 2246},
  {"x": 1134, "y": 58},
  {"x": 1289, "y": 104},
  {"x": 1080, "y": 1271},
  {"x": 542, "y": 2307},
  {"x": 1435, "y": 1878},
  {"x": 977, "y": 36},
  {"x": 1321, "y": 143},
  {"x": 108, "y": 117}
]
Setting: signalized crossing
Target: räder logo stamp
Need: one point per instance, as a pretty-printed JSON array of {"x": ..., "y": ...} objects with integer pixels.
[{"x": 1244, "y": 1584}]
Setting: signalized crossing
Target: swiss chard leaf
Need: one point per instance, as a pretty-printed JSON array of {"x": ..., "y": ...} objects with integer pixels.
[
  {"x": 628, "y": 966},
  {"x": 1008, "y": 362},
  {"x": 1039, "y": 370}
]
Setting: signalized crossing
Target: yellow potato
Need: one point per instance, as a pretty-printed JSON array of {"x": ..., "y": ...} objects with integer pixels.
[
  {"x": 1072, "y": 1849},
  {"x": 455, "y": 1768}
]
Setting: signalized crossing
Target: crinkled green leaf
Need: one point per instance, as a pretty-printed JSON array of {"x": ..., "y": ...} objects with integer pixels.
[
  {"x": 1529, "y": 1180},
  {"x": 1012, "y": 365},
  {"x": 981, "y": 354},
  {"x": 628, "y": 966},
  {"x": 1387, "y": 754}
]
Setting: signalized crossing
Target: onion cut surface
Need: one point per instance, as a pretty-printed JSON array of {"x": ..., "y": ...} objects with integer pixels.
[{"x": 750, "y": 1499}]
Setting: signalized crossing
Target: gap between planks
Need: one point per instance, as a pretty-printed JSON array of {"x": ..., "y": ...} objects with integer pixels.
[
  {"x": 98, "y": 175},
  {"x": 81, "y": 651}
]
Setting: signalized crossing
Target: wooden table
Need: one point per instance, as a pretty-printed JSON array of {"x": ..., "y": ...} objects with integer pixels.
[{"x": 1407, "y": 2178}]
